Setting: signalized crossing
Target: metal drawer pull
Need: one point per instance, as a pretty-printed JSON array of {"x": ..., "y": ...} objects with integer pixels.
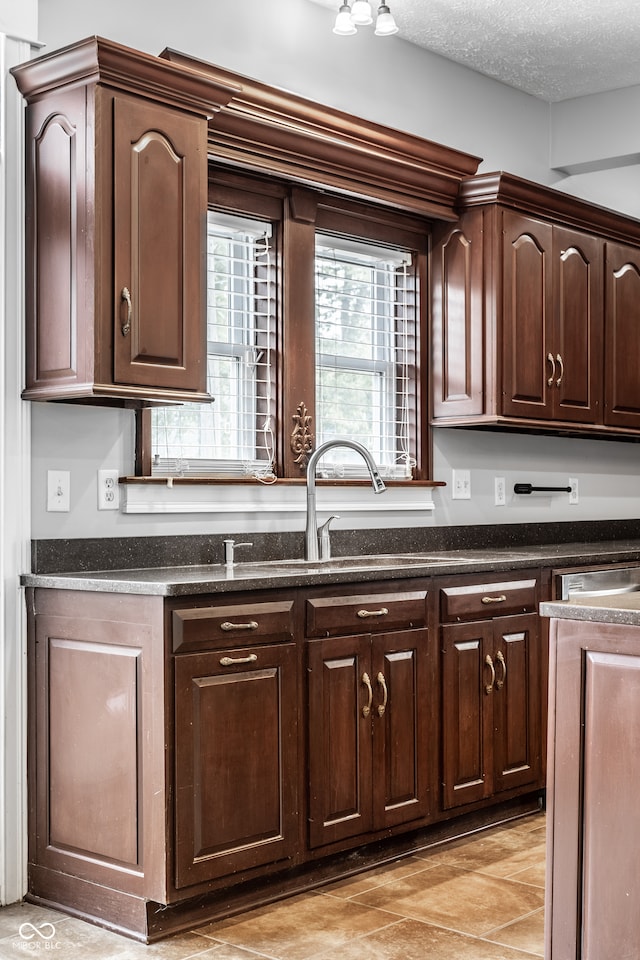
[
  {"x": 366, "y": 710},
  {"x": 559, "y": 380},
  {"x": 227, "y": 625},
  {"x": 126, "y": 296},
  {"x": 503, "y": 663},
  {"x": 500, "y": 599},
  {"x": 229, "y": 661},
  {"x": 488, "y": 687},
  {"x": 551, "y": 360},
  {"x": 385, "y": 694},
  {"x": 382, "y": 612}
]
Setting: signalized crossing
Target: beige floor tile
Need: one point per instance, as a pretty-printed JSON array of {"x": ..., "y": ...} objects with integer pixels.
[
  {"x": 301, "y": 927},
  {"x": 525, "y": 934},
  {"x": 534, "y": 875},
  {"x": 354, "y": 886},
  {"x": 502, "y": 853},
  {"x": 15, "y": 914},
  {"x": 67, "y": 938},
  {"x": 457, "y": 899},
  {"x": 412, "y": 940}
]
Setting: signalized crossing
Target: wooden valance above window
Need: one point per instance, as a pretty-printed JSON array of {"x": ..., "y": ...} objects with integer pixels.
[{"x": 262, "y": 128}]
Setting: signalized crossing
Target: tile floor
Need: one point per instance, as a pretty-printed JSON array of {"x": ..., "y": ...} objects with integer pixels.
[{"x": 480, "y": 898}]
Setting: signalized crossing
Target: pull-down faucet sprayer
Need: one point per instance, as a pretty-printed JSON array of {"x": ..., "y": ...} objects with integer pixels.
[{"x": 312, "y": 536}]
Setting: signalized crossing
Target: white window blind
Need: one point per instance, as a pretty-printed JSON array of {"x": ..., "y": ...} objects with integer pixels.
[
  {"x": 366, "y": 335},
  {"x": 233, "y": 436}
]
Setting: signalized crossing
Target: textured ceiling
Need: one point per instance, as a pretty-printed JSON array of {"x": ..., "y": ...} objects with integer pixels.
[{"x": 553, "y": 49}]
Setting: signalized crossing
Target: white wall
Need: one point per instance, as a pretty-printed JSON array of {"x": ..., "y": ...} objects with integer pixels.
[{"x": 289, "y": 43}]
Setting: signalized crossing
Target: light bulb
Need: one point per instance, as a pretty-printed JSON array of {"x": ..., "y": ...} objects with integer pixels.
[
  {"x": 361, "y": 13},
  {"x": 385, "y": 24},
  {"x": 343, "y": 25}
]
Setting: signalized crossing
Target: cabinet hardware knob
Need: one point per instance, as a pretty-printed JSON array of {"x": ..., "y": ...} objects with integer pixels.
[
  {"x": 385, "y": 694},
  {"x": 382, "y": 612},
  {"x": 500, "y": 599},
  {"x": 560, "y": 361},
  {"x": 366, "y": 710},
  {"x": 552, "y": 361},
  {"x": 503, "y": 663},
  {"x": 488, "y": 687},
  {"x": 227, "y": 625},
  {"x": 229, "y": 661},
  {"x": 126, "y": 297}
]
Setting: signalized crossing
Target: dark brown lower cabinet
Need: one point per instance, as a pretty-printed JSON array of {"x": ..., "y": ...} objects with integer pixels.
[
  {"x": 369, "y": 747},
  {"x": 492, "y": 738},
  {"x": 236, "y": 760},
  {"x": 593, "y": 823},
  {"x": 190, "y": 757},
  {"x": 492, "y": 688}
]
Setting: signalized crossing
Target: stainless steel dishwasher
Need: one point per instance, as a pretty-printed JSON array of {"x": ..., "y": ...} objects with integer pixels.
[{"x": 601, "y": 582}]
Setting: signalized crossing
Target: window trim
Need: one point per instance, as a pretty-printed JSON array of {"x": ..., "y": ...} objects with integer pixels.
[{"x": 297, "y": 215}]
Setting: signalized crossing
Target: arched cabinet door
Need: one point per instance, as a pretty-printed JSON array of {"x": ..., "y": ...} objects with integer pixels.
[
  {"x": 159, "y": 204},
  {"x": 622, "y": 345},
  {"x": 116, "y": 159}
]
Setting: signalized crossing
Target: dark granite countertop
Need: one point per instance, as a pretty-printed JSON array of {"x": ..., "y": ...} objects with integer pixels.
[{"x": 215, "y": 578}]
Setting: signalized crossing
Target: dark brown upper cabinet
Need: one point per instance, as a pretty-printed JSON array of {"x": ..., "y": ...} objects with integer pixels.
[
  {"x": 528, "y": 331},
  {"x": 116, "y": 208},
  {"x": 622, "y": 288}
]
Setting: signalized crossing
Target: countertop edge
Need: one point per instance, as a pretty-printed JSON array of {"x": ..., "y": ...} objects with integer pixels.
[{"x": 186, "y": 580}]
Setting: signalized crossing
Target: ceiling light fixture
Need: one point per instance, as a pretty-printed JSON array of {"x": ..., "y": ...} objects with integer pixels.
[{"x": 359, "y": 14}]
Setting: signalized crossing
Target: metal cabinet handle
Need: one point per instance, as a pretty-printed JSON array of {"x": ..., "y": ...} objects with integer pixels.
[
  {"x": 560, "y": 361},
  {"x": 488, "y": 687},
  {"x": 126, "y": 297},
  {"x": 499, "y": 599},
  {"x": 552, "y": 361},
  {"x": 385, "y": 694},
  {"x": 228, "y": 661},
  {"x": 503, "y": 663},
  {"x": 382, "y": 612},
  {"x": 366, "y": 710},
  {"x": 227, "y": 625}
]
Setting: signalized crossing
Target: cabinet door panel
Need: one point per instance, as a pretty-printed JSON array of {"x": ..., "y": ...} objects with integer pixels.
[
  {"x": 59, "y": 276},
  {"x": 235, "y": 760},
  {"x": 527, "y": 315},
  {"x": 466, "y": 720},
  {"x": 622, "y": 347},
  {"x": 516, "y": 702},
  {"x": 457, "y": 347},
  {"x": 577, "y": 342},
  {"x": 402, "y": 706},
  {"x": 340, "y": 731},
  {"x": 159, "y": 189}
]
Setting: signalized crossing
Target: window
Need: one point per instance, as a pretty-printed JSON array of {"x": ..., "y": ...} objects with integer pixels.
[
  {"x": 365, "y": 363},
  {"x": 233, "y": 436},
  {"x": 315, "y": 331}
]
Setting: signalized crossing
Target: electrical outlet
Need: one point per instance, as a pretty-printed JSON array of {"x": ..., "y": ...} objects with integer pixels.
[
  {"x": 58, "y": 491},
  {"x": 108, "y": 490},
  {"x": 500, "y": 491},
  {"x": 573, "y": 493},
  {"x": 461, "y": 485}
]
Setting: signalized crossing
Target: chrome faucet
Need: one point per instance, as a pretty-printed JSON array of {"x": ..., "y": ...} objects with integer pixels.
[{"x": 312, "y": 535}]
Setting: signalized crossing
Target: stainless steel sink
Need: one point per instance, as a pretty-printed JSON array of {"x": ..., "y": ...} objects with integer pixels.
[{"x": 366, "y": 562}]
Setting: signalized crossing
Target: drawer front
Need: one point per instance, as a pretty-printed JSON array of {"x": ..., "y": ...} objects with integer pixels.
[
  {"x": 234, "y": 625},
  {"x": 480, "y": 601},
  {"x": 370, "y": 613}
]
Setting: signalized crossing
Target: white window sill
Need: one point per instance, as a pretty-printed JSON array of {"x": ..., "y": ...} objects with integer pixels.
[{"x": 278, "y": 503}]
